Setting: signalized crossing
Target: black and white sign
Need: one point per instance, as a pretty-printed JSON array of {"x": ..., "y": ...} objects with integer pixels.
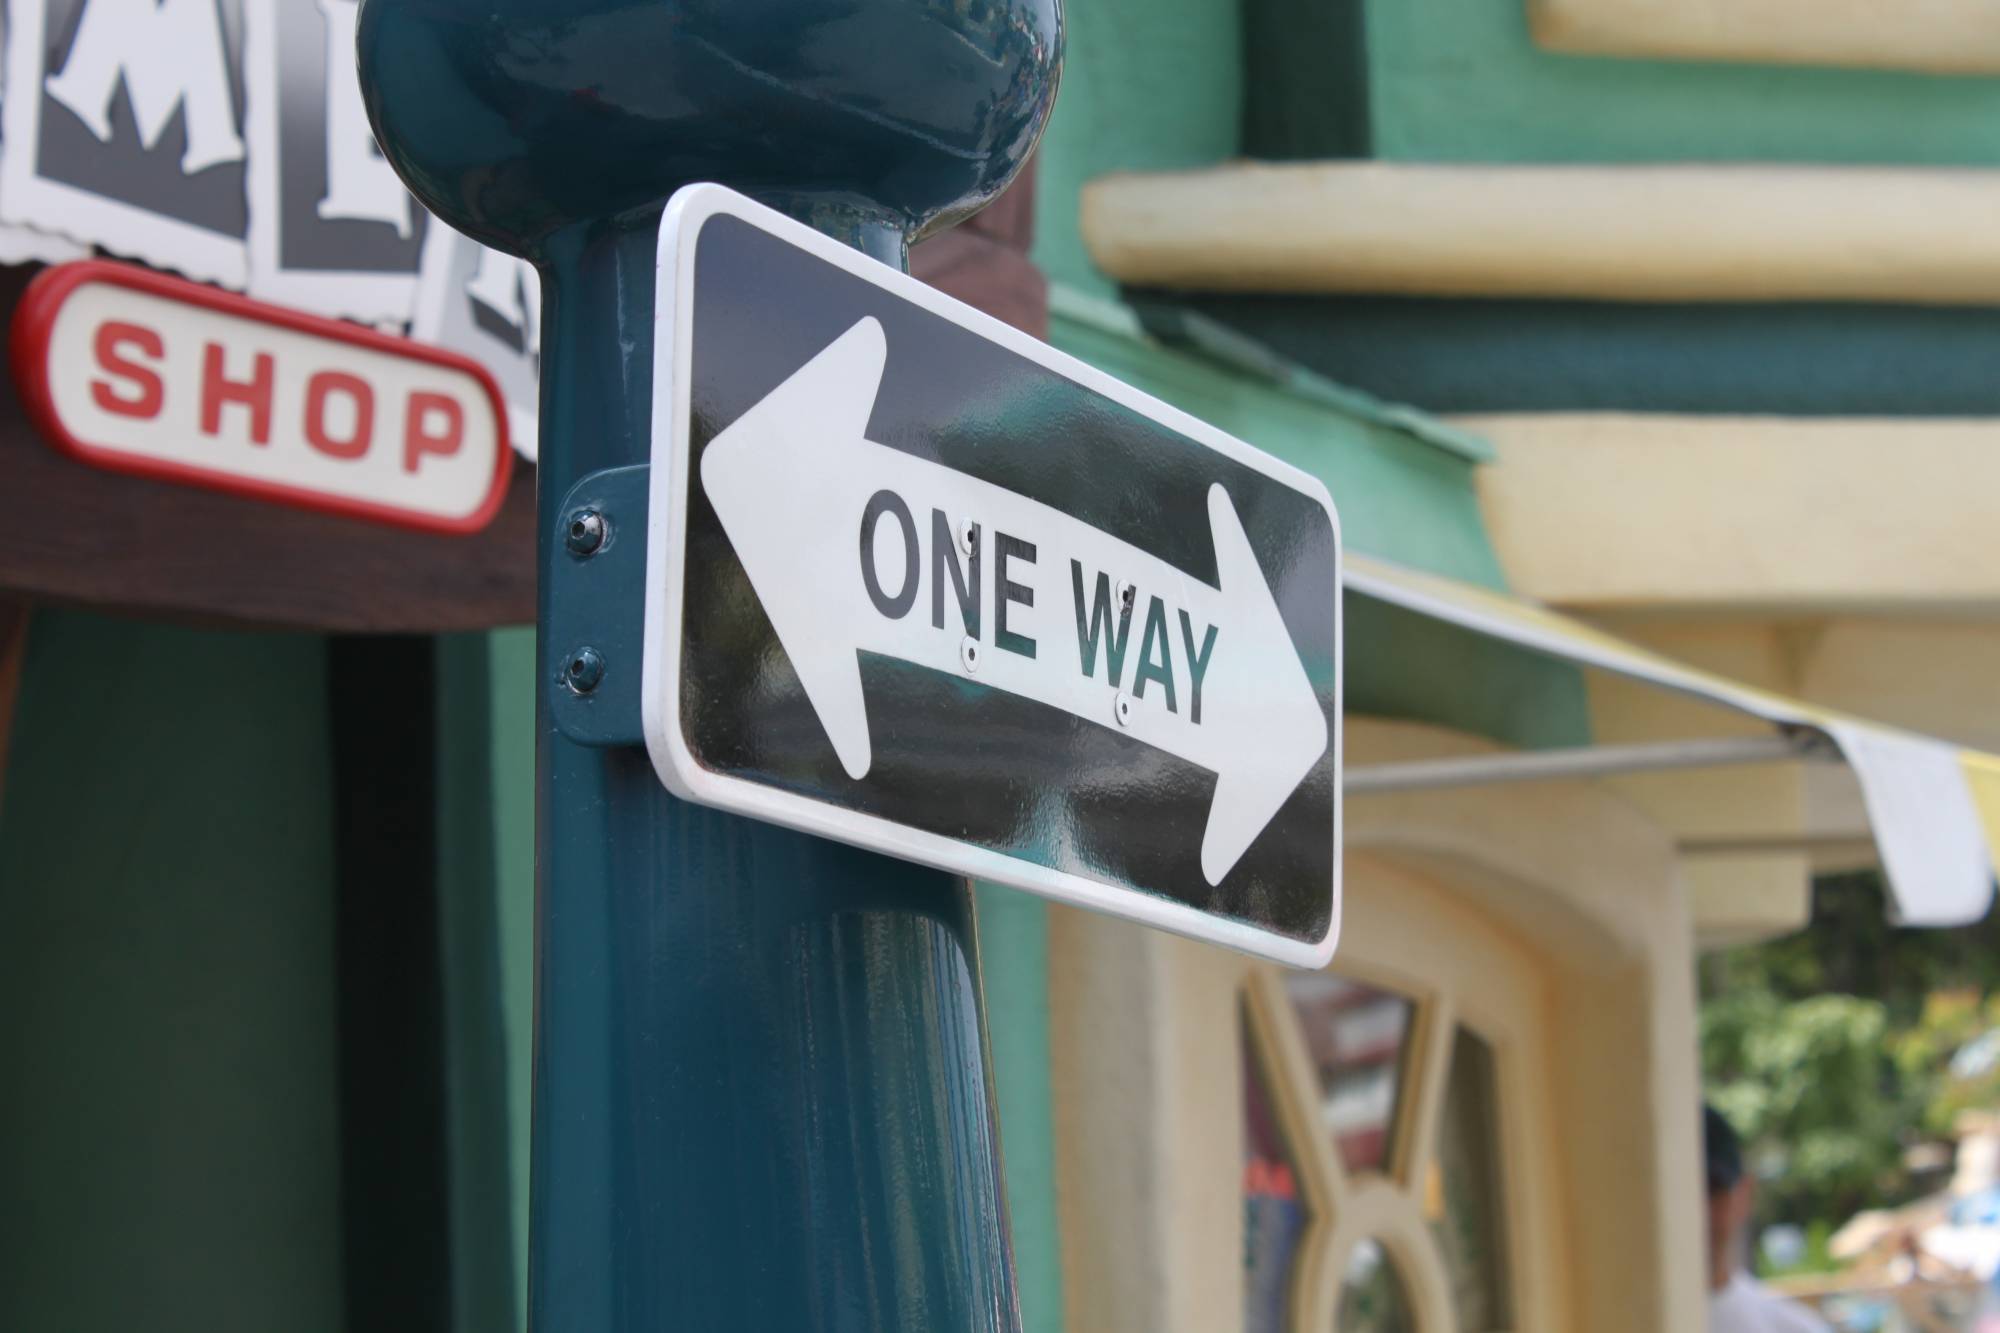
[
  {"x": 124, "y": 128},
  {"x": 331, "y": 227},
  {"x": 923, "y": 584}
]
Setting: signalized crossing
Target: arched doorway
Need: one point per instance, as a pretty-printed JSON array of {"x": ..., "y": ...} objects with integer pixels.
[{"x": 1398, "y": 1175}]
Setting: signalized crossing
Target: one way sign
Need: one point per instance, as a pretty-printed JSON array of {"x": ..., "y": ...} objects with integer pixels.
[{"x": 920, "y": 583}]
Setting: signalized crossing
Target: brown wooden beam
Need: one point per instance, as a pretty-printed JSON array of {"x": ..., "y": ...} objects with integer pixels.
[
  {"x": 982, "y": 272},
  {"x": 73, "y": 533}
]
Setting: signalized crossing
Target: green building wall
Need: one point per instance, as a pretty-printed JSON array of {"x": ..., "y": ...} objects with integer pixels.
[
  {"x": 169, "y": 1115},
  {"x": 1456, "y": 82},
  {"x": 1144, "y": 88}
]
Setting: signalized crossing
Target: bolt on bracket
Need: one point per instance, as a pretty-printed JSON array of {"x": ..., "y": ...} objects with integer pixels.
[{"x": 596, "y": 574}]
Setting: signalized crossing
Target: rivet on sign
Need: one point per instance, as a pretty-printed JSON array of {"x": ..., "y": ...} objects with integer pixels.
[
  {"x": 968, "y": 533},
  {"x": 968, "y": 652},
  {"x": 1127, "y": 594},
  {"x": 584, "y": 671},
  {"x": 586, "y": 531},
  {"x": 1121, "y": 708}
]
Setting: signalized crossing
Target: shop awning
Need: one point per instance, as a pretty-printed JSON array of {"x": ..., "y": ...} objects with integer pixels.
[{"x": 1933, "y": 807}]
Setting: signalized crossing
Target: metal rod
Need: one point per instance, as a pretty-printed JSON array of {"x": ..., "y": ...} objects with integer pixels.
[
  {"x": 1824, "y": 844},
  {"x": 1593, "y": 761}
]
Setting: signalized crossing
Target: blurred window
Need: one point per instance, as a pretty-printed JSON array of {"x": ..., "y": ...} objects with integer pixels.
[
  {"x": 1331, "y": 1075},
  {"x": 1373, "y": 1298},
  {"x": 1358, "y": 1036},
  {"x": 1274, "y": 1210},
  {"x": 1462, "y": 1191}
]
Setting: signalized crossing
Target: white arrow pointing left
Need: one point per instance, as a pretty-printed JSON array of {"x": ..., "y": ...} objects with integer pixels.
[{"x": 1206, "y": 673}]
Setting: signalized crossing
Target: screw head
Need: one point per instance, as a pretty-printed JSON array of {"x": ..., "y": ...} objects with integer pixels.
[
  {"x": 585, "y": 533},
  {"x": 968, "y": 653},
  {"x": 584, "y": 670},
  {"x": 968, "y": 534},
  {"x": 1128, "y": 593},
  {"x": 1121, "y": 708}
]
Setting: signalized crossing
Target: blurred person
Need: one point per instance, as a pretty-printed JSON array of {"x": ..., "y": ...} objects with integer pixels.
[{"x": 1737, "y": 1302}]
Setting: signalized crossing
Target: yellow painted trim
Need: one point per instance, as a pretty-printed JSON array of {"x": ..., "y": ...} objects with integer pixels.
[
  {"x": 1748, "y": 232},
  {"x": 1982, "y": 775},
  {"x": 1778, "y": 515},
  {"x": 1145, "y": 1046},
  {"x": 1944, "y": 36}
]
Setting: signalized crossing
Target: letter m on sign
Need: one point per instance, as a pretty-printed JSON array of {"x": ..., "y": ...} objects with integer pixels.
[{"x": 169, "y": 55}]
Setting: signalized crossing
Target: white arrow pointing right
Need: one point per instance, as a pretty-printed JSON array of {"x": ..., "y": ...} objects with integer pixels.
[{"x": 1208, "y": 674}]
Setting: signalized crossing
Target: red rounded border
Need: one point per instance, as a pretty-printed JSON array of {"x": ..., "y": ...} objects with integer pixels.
[{"x": 28, "y": 354}]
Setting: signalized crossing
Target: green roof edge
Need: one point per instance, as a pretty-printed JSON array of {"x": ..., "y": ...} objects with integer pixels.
[{"x": 1216, "y": 342}]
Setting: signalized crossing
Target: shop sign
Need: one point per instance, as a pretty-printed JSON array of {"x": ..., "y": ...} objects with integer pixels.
[
  {"x": 136, "y": 371},
  {"x": 920, "y": 583}
]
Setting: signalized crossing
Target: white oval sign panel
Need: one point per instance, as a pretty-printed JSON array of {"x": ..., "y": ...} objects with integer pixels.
[{"x": 137, "y": 371}]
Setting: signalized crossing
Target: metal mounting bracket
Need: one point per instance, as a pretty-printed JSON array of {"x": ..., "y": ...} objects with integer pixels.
[{"x": 596, "y": 584}]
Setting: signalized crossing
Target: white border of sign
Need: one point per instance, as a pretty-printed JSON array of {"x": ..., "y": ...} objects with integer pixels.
[{"x": 666, "y": 556}]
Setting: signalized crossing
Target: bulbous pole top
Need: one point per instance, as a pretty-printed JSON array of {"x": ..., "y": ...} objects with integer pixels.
[{"x": 514, "y": 119}]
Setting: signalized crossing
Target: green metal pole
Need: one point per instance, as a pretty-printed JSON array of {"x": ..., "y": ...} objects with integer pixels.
[
  {"x": 760, "y": 1093},
  {"x": 761, "y": 1090}
]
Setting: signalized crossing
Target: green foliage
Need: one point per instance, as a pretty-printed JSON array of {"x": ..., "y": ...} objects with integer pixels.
[
  {"x": 1810, "y": 1085},
  {"x": 1951, "y": 1021},
  {"x": 1852, "y": 949},
  {"x": 1829, "y": 1050}
]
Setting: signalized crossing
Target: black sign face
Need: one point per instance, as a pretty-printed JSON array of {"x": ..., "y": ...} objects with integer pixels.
[{"x": 921, "y": 583}]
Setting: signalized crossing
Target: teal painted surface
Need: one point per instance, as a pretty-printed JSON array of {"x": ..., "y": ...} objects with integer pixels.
[
  {"x": 1452, "y": 81},
  {"x": 1811, "y": 359},
  {"x": 1146, "y": 87},
  {"x": 1013, "y": 939},
  {"x": 511, "y": 712},
  {"x": 1309, "y": 98},
  {"x": 1014, "y": 962},
  {"x": 169, "y": 1140},
  {"x": 761, "y": 1095},
  {"x": 482, "y": 784},
  {"x": 1228, "y": 345},
  {"x": 1410, "y": 667}
]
